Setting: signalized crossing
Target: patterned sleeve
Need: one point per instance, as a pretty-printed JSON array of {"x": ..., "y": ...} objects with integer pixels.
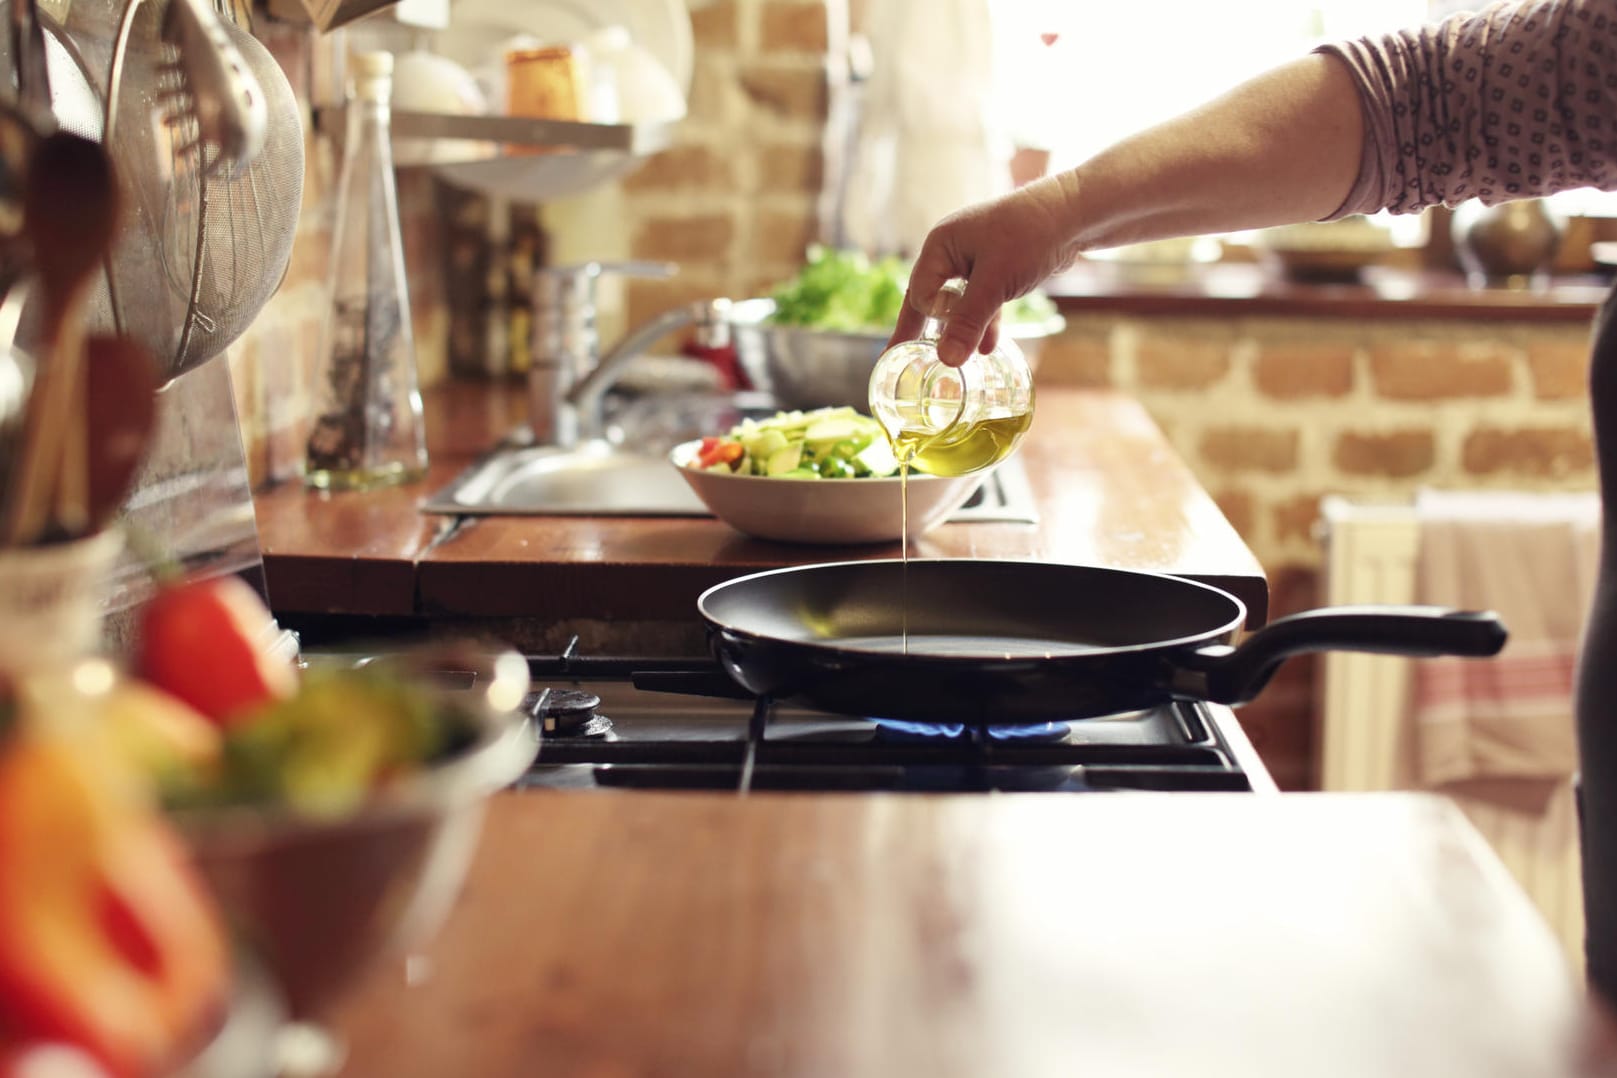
[{"x": 1516, "y": 100}]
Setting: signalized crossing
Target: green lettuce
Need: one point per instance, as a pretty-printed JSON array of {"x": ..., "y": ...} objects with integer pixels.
[{"x": 847, "y": 291}]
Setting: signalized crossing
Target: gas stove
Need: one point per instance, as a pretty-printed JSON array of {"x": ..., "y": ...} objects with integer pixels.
[{"x": 611, "y": 723}]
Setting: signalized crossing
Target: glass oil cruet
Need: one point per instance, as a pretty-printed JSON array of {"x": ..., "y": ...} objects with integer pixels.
[
  {"x": 367, "y": 430},
  {"x": 951, "y": 420}
]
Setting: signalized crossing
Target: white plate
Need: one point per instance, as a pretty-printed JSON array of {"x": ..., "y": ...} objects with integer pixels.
[{"x": 477, "y": 27}]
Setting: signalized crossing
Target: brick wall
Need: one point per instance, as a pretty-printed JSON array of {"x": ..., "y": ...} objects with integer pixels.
[
  {"x": 734, "y": 204},
  {"x": 1272, "y": 414}
]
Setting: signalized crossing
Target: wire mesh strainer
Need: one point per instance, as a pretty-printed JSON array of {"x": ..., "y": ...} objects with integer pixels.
[
  {"x": 196, "y": 257},
  {"x": 203, "y": 251}
]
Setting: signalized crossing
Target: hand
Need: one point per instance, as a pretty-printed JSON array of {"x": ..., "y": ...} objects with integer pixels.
[{"x": 1004, "y": 248}]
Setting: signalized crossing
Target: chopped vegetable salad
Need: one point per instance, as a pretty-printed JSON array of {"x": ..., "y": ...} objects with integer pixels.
[{"x": 825, "y": 443}]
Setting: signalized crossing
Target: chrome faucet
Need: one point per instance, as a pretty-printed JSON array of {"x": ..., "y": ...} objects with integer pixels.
[
  {"x": 568, "y": 378},
  {"x": 586, "y": 397}
]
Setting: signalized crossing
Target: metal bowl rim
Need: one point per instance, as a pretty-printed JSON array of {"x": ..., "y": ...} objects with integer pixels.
[{"x": 754, "y": 314}]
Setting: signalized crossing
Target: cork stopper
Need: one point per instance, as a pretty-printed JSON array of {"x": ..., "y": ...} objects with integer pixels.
[{"x": 373, "y": 76}]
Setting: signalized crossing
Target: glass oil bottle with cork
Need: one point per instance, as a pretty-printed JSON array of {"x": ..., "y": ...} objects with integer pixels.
[{"x": 367, "y": 430}]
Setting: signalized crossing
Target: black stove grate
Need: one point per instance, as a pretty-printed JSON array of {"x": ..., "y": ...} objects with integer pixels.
[{"x": 694, "y": 728}]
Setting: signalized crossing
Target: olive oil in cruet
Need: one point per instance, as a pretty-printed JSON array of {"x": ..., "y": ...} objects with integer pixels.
[{"x": 947, "y": 421}]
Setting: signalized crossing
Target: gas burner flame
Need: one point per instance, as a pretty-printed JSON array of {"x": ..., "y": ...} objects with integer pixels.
[{"x": 904, "y": 730}]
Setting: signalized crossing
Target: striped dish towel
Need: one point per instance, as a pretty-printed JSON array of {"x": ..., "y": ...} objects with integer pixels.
[{"x": 1531, "y": 558}]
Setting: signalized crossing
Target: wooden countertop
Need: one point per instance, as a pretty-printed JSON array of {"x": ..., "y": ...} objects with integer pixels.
[
  {"x": 1110, "y": 488},
  {"x": 1184, "y": 934}
]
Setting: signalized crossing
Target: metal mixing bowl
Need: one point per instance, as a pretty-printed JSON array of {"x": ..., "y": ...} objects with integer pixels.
[{"x": 818, "y": 368}]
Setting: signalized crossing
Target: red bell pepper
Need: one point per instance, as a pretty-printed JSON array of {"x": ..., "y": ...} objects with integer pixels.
[
  {"x": 718, "y": 451},
  {"x": 108, "y": 940}
]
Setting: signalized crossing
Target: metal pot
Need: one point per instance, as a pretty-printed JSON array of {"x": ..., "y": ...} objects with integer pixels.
[
  {"x": 818, "y": 368},
  {"x": 323, "y": 897},
  {"x": 1508, "y": 243}
]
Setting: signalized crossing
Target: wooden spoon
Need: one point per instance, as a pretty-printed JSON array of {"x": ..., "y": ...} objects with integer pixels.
[
  {"x": 70, "y": 213},
  {"x": 121, "y": 410}
]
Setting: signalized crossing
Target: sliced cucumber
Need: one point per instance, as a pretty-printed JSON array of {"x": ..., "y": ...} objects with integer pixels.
[
  {"x": 877, "y": 459},
  {"x": 784, "y": 459},
  {"x": 764, "y": 443},
  {"x": 825, "y": 434}
]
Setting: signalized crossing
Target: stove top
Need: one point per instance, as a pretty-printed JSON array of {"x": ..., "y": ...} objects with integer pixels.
[{"x": 625, "y": 723}]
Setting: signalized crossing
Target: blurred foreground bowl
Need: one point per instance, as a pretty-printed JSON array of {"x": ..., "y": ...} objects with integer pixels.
[
  {"x": 316, "y": 899},
  {"x": 818, "y": 368},
  {"x": 823, "y": 511}
]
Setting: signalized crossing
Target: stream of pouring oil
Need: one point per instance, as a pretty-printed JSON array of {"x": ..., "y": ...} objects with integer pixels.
[{"x": 954, "y": 451}]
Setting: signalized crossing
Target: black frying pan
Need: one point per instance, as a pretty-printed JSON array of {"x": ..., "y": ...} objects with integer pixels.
[{"x": 1024, "y": 642}]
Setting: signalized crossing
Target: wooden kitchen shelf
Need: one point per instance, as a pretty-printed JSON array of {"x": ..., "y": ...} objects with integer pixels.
[
  {"x": 637, "y": 139},
  {"x": 577, "y": 156}
]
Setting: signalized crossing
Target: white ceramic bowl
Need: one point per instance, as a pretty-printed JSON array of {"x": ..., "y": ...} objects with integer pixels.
[{"x": 835, "y": 511}]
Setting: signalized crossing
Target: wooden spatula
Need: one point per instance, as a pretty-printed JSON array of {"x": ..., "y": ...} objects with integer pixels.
[
  {"x": 70, "y": 216},
  {"x": 120, "y": 411}
]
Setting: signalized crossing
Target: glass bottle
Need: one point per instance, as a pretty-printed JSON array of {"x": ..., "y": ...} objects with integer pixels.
[
  {"x": 368, "y": 429},
  {"x": 951, "y": 420}
]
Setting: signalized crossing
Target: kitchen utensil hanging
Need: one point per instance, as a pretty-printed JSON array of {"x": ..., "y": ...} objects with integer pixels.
[
  {"x": 198, "y": 253},
  {"x": 65, "y": 98},
  {"x": 213, "y": 223},
  {"x": 71, "y": 208}
]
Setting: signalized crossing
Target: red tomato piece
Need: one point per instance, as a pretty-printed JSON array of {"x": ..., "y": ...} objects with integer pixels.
[{"x": 203, "y": 641}]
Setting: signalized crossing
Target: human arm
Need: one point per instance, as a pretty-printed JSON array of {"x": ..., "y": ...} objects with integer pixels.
[
  {"x": 1282, "y": 147},
  {"x": 1517, "y": 100}
]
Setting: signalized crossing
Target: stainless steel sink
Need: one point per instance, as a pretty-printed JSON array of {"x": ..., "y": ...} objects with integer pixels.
[
  {"x": 595, "y": 479},
  {"x": 604, "y": 477},
  {"x": 599, "y": 479}
]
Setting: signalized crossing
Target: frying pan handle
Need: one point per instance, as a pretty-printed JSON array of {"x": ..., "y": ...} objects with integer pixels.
[{"x": 1228, "y": 675}]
